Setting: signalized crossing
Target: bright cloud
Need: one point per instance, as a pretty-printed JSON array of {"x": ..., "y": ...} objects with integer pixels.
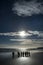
[
  {"x": 14, "y": 34},
  {"x": 28, "y": 33},
  {"x": 29, "y": 42},
  {"x": 39, "y": 33},
  {"x": 27, "y": 8},
  {"x": 34, "y": 32}
]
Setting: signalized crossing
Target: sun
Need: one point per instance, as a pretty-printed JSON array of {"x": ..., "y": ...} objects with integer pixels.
[{"x": 22, "y": 33}]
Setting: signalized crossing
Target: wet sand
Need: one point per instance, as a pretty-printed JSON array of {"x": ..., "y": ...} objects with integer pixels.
[{"x": 34, "y": 59}]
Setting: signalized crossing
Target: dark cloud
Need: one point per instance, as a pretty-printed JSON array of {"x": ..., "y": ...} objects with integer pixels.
[{"x": 27, "y": 8}]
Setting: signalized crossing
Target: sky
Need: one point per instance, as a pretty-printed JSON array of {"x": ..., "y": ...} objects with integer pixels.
[{"x": 21, "y": 15}]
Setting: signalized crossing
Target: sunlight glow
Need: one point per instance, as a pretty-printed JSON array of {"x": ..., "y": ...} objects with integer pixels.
[
  {"x": 22, "y": 33},
  {"x": 23, "y": 49},
  {"x": 23, "y": 58}
]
